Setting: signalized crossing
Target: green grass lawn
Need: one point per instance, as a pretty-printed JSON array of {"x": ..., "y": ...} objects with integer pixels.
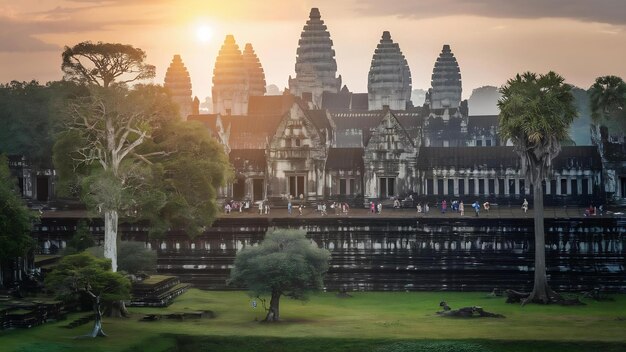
[{"x": 368, "y": 321}]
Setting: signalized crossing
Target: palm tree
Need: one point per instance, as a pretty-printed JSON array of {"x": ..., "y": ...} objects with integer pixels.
[
  {"x": 608, "y": 104},
  {"x": 535, "y": 114}
]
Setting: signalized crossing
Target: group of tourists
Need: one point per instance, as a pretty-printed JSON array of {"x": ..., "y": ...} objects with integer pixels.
[
  {"x": 376, "y": 208},
  {"x": 233, "y": 206}
]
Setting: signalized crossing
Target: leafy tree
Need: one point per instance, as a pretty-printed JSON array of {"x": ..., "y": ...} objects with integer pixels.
[
  {"x": 104, "y": 63},
  {"x": 535, "y": 114},
  {"x": 285, "y": 263},
  {"x": 81, "y": 240},
  {"x": 99, "y": 153},
  {"x": 28, "y": 116},
  {"x": 84, "y": 274},
  {"x": 15, "y": 218}
]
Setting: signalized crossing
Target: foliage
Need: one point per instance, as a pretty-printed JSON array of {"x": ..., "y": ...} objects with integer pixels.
[
  {"x": 83, "y": 273},
  {"x": 104, "y": 63},
  {"x": 535, "y": 114},
  {"x": 190, "y": 172},
  {"x": 15, "y": 218},
  {"x": 132, "y": 257},
  {"x": 81, "y": 240},
  {"x": 608, "y": 102},
  {"x": 286, "y": 262},
  {"x": 28, "y": 116}
]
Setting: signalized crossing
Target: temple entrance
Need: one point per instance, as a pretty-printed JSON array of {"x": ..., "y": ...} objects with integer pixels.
[
  {"x": 239, "y": 188},
  {"x": 386, "y": 187},
  {"x": 42, "y": 188},
  {"x": 257, "y": 189},
  {"x": 296, "y": 186}
]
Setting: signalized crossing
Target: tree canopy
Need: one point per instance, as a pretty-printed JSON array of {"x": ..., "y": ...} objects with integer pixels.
[
  {"x": 15, "y": 218},
  {"x": 285, "y": 263},
  {"x": 29, "y": 115},
  {"x": 84, "y": 274},
  {"x": 608, "y": 102},
  {"x": 104, "y": 63},
  {"x": 536, "y": 112},
  {"x": 133, "y": 257}
]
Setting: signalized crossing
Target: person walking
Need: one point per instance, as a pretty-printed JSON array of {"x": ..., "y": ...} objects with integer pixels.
[
  {"x": 525, "y": 205},
  {"x": 476, "y": 207},
  {"x": 444, "y": 206},
  {"x": 289, "y": 207},
  {"x": 462, "y": 208},
  {"x": 380, "y": 208},
  {"x": 372, "y": 207}
]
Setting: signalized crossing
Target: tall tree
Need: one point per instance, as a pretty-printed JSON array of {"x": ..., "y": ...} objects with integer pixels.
[
  {"x": 535, "y": 114},
  {"x": 15, "y": 218},
  {"x": 84, "y": 274},
  {"x": 608, "y": 103},
  {"x": 285, "y": 263},
  {"x": 104, "y": 63},
  {"x": 99, "y": 151}
]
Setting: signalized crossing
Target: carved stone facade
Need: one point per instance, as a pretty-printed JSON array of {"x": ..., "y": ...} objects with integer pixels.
[
  {"x": 390, "y": 160},
  {"x": 446, "y": 81},
  {"x": 316, "y": 68},
  {"x": 178, "y": 82},
  {"x": 389, "y": 78}
]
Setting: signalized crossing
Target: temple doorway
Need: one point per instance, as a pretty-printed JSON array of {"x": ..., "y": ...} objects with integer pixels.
[
  {"x": 296, "y": 186},
  {"x": 623, "y": 187},
  {"x": 257, "y": 189},
  {"x": 386, "y": 187},
  {"x": 42, "y": 188},
  {"x": 239, "y": 188}
]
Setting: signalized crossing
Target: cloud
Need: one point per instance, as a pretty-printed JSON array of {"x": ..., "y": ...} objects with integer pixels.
[{"x": 603, "y": 11}]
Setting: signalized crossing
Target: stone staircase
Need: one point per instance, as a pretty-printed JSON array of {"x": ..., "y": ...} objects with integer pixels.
[{"x": 157, "y": 291}]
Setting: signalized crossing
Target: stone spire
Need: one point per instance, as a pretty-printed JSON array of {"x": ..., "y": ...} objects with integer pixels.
[
  {"x": 178, "y": 82},
  {"x": 389, "y": 79},
  {"x": 256, "y": 76},
  {"x": 230, "y": 80},
  {"x": 446, "y": 81},
  {"x": 316, "y": 68}
]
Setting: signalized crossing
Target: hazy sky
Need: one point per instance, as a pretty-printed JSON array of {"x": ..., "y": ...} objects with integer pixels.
[{"x": 492, "y": 39}]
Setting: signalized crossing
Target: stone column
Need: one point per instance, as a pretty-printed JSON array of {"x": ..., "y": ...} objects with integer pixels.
[
  {"x": 558, "y": 185},
  {"x": 445, "y": 186},
  {"x": 569, "y": 185},
  {"x": 435, "y": 185}
]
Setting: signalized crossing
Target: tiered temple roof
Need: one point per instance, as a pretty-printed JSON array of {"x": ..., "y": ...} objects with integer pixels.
[
  {"x": 316, "y": 68},
  {"x": 446, "y": 81},
  {"x": 256, "y": 76},
  {"x": 389, "y": 79},
  {"x": 230, "y": 80},
  {"x": 178, "y": 82}
]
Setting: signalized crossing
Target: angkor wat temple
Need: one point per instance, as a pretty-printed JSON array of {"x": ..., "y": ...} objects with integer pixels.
[{"x": 321, "y": 141}]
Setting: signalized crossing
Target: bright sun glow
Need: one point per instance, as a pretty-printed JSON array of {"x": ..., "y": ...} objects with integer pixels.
[{"x": 204, "y": 33}]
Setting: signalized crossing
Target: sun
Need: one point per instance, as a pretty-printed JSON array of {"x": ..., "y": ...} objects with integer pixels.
[{"x": 204, "y": 33}]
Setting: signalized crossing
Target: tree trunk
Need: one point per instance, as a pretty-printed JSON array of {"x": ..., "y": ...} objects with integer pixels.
[
  {"x": 118, "y": 310},
  {"x": 110, "y": 237},
  {"x": 273, "y": 313},
  {"x": 97, "y": 325},
  {"x": 541, "y": 292}
]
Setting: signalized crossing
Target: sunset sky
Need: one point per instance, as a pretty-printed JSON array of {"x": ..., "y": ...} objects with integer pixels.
[{"x": 492, "y": 39}]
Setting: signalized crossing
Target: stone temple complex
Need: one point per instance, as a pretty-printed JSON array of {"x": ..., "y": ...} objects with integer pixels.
[
  {"x": 316, "y": 68},
  {"x": 178, "y": 82},
  {"x": 389, "y": 79},
  {"x": 320, "y": 141}
]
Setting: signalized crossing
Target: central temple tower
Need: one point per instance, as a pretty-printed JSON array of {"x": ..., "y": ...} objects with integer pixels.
[
  {"x": 316, "y": 68},
  {"x": 389, "y": 79}
]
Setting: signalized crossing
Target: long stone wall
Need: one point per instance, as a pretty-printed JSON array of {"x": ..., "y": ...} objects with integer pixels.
[{"x": 429, "y": 254}]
